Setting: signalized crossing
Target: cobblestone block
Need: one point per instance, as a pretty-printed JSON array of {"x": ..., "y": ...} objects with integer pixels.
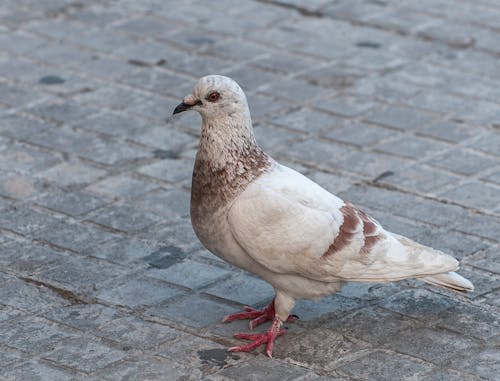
[
  {"x": 33, "y": 334},
  {"x": 168, "y": 203},
  {"x": 84, "y": 354},
  {"x": 39, "y": 370},
  {"x": 27, "y": 159},
  {"x": 75, "y": 237},
  {"x": 319, "y": 348},
  {"x": 169, "y": 170},
  {"x": 462, "y": 162},
  {"x": 451, "y": 242},
  {"x": 331, "y": 307},
  {"x": 447, "y": 130},
  {"x": 374, "y": 366},
  {"x": 399, "y": 117},
  {"x": 371, "y": 164},
  {"x": 412, "y": 147},
  {"x": 137, "y": 291},
  {"x": 62, "y": 112},
  {"x": 244, "y": 289},
  {"x": 21, "y": 126},
  {"x": 84, "y": 317},
  {"x": 27, "y": 259},
  {"x": 64, "y": 140},
  {"x": 359, "y": 134},
  {"x": 123, "y": 251},
  {"x": 80, "y": 275},
  {"x": 262, "y": 369},
  {"x": 121, "y": 186},
  {"x": 418, "y": 303},
  {"x": 25, "y": 221},
  {"x": 435, "y": 345},
  {"x": 16, "y": 96},
  {"x": 295, "y": 91},
  {"x": 488, "y": 143},
  {"x": 124, "y": 218},
  {"x": 189, "y": 274},
  {"x": 480, "y": 225},
  {"x": 483, "y": 362},
  {"x": 372, "y": 324},
  {"x": 181, "y": 311},
  {"x": 475, "y": 194},
  {"x": 143, "y": 368},
  {"x": 73, "y": 203},
  {"x": 72, "y": 173},
  {"x": 132, "y": 333},
  {"x": 421, "y": 178},
  {"x": 112, "y": 123}
]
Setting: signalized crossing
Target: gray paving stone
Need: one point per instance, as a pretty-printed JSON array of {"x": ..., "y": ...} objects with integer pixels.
[
  {"x": 371, "y": 164},
  {"x": 25, "y": 258},
  {"x": 124, "y": 251},
  {"x": 401, "y": 118},
  {"x": 38, "y": 370},
  {"x": 21, "y": 126},
  {"x": 170, "y": 203},
  {"x": 137, "y": 292},
  {"x": 452, "y": 242},
  {"x": 318, "y": 348},
  {"x": 143, "y": 368},
  {"x": 418, "y": 303},
  {"x": 124, "y": 218},
  {"x": 421, "y": 178},
  {"x": 314, "y": 152},
  {"x": 480, "y": 225},
  {"x": 448, "y": 375},
  {"x": 306, "y": 120},
  {"x": 475, "y": 194},
  {"x": 165, "y": 138},
  {"x": 25, "y": 221},
  {"x": 295, "y": 91},
  {"x": 76, "y": 237},
  {"x": 434, "y": 345},
  {"x": 71, "y": 173},
  {"x": 244, "y": 289},
  {"x": 372, "y": 324},
  {"x": 7, "y": 312},
  {"x": 476, "y": 320},
  {"x": 487, "y": 260},
  {"x": 112, "y": 123},
  {"x": 488, "y": 143},
  {"x": 447, "y": 130},
  {"x": 28, "y": 160},
  {"x": 61, "y": 112},
  {"x": 123, "y": 186},
  {"x": 189, "y": 274},
  {"x": 412, "y": 147},
  {"x": 331, "y": 307},
  {"x": 384, "y": 366},
  {"x": 84, "y": 317},
  {"x": 260, "y": 368},
  {"x": 17, "y": 96},
  {"x": 494, "y": 178},
  {"x": 80, "y": 275},
  {"x": 181, "y": 311},
  {"x": 33, "y": 334},
  {"x": 114, "y": 153},
  {"x": 483, "y": 363},
  {"x": 132, "y": 333},
  {"x": 169, "y": 170},
  {"x": 84, "y": 354},
  {"x": 9, "y": 356},
  {"x": 359, "y": 134},
  {"x": 72, "y": 203}
]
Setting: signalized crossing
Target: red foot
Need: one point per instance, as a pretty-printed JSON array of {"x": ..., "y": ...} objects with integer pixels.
[
  {"x": 258, "y": 316},
  {"x": 258, "y": 339}
]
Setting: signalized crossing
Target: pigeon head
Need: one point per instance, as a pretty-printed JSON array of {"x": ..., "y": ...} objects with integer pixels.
[{"x": 216, "y": 97}]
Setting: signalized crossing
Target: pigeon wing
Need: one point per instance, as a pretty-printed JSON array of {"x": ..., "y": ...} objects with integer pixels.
[{"x": 291, "y": 225}]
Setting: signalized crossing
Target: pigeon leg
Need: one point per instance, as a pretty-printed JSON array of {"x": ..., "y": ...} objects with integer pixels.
[
  {"x": 258, "y": 316},
  {"x": 257, "y": 339}
]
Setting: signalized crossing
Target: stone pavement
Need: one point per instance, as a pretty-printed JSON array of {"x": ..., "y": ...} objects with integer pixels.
[{"x": 393, "y": 104}]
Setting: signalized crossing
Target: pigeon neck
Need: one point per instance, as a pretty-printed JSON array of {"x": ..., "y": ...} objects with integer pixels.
[{"x": 226, "y": 141}]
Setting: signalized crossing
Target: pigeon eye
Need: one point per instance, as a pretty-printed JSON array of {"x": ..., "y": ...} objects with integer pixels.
[{"x": 213, "y": 96}]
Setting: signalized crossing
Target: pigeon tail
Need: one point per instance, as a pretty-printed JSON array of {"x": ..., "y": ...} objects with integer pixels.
[{"x": 450, "y": 280}]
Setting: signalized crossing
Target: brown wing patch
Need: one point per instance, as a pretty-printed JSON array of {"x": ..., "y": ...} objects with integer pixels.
[
  {"x": 354, "y": 218},
  {"x": 347, "y": 231},
  {"x": 370, "y": 232}
]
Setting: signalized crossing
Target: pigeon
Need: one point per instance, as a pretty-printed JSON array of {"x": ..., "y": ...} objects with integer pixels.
[{"x": 272, "y": 221}]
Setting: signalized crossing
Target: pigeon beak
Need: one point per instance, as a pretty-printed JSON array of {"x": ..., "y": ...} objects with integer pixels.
[{"x": 186, "y": 104}]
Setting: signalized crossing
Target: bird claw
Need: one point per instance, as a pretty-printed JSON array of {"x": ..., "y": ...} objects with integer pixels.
[
  {"x": 257, "y": 316},
  {"x": 257, "y": 339}
]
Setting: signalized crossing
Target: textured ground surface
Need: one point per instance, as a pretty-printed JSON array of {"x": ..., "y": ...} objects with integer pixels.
[{"x": 394, "y": 105}]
